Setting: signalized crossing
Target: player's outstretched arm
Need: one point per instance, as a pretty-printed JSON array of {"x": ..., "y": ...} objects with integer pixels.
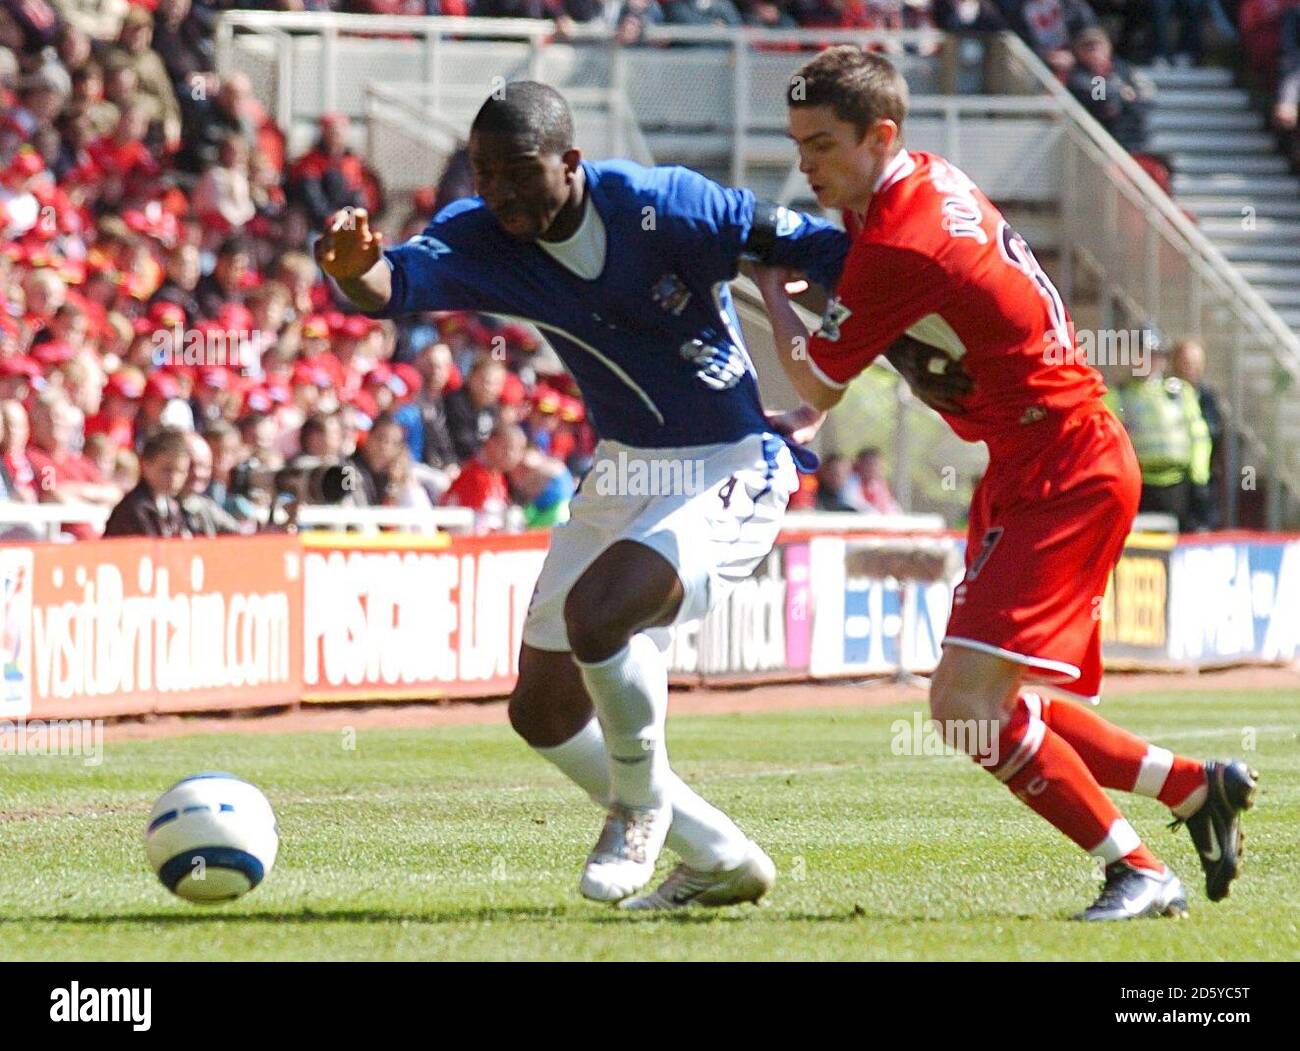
[
  {"x": 351, "y": 253},
  {"x": 791, "y": 339}
]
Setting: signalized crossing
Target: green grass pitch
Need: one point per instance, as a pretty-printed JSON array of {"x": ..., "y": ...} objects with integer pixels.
[{"x": 458, "y": 843}]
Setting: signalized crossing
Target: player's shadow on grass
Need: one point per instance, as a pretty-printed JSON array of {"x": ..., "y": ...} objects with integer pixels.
[
  {"x": 218, "y": 914},
  {"x": 563, "y": 913}
]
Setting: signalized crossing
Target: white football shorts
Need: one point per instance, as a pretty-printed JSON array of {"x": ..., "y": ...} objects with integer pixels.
[{"x": 713, "y": 511}]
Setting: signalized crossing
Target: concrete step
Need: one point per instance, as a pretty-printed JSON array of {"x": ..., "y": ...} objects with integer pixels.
[
  {"x": 1237, "y": 207},
  {"x": 1255, "y": 252},
  {"x": 1260, "y": 229},
  {"x": 1161, "y": 119},
  {"x": 1246, "y": 185},
  {"x": 1217, "y": 163},
  {"x": 1195, "y": 79},
  {"x": 1222, "y": 144},
  {"x": 1264, "y": 276},
  {"x": 1287, "y": 296},
  {"x": 1201, "y": 100}
]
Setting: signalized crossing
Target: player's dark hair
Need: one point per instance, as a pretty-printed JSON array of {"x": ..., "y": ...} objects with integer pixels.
[
  {"x": 859, "y": 86},
  {"x": 527, "y": 111}
]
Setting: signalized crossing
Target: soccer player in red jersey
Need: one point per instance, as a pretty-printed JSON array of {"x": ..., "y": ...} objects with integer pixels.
[{"x": 932, "y": 258}]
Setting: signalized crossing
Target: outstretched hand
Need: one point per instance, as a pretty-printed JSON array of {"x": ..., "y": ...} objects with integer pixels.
[{"x": 348, "y": 247}]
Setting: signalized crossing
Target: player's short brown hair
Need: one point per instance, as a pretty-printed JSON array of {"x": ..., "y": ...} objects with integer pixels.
[{"x": 859, "y": 86}]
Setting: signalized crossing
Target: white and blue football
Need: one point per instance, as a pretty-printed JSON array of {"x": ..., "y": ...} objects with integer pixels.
[{"x": 211, "y": 837}]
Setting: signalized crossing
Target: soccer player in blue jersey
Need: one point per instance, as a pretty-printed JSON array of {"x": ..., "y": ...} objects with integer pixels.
[{"x": 625, "y": 269}]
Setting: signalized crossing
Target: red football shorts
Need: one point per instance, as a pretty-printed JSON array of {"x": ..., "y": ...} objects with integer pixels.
[{"x": 1047, "y": 525}]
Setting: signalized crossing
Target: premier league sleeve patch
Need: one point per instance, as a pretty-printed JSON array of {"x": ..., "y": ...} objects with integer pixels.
[{"x": 835, "y": 315}]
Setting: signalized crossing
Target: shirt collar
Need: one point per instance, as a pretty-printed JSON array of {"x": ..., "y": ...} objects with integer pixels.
[{"x": 899, "y": 167}]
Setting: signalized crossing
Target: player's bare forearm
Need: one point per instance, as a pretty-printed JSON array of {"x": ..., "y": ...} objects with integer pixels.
[
  {"x": 371, "y": 291},
  {"x": 791, "y": 339}
]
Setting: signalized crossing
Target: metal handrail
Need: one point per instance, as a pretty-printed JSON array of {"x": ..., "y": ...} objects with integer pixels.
[
  {"x": 1084, "y": 127},
  {"x": 426, "y": 520},
  {"x": 530, "y": 29},
  {"x": 1208, "y": 266}
]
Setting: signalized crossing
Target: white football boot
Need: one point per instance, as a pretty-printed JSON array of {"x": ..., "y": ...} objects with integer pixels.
[
  {"x": 624, "y": 857},
  {"x": 685, "y": 886}
]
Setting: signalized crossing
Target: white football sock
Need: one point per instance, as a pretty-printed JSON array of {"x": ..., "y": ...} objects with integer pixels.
[
  {"x": 701, "y": 834},
  {"x": 630, "y": 693},
  {"x": 582, "y": 759}
]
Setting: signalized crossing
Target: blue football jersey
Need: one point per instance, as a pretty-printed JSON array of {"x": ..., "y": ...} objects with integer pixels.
[{"x": 653, "y": 341}]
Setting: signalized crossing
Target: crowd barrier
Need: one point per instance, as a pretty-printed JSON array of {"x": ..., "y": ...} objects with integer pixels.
[{"x": 132, "y": 627}]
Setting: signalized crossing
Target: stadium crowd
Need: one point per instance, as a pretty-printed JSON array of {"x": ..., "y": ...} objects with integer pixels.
[
  {"x": 168, "y": 347},
  {"x": 165, "y": 337}
]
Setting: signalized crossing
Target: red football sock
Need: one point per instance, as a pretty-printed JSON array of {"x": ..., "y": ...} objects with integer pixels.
[
  {"x": 1119, "y": 759},
  {"x": 1048, "y": 775}
]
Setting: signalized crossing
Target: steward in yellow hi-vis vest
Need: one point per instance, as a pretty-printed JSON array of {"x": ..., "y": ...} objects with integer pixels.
[{"x": 1164, "y": 421}]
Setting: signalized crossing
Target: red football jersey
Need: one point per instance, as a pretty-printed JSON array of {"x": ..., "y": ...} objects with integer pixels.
[{"x": 934, "y": 258}]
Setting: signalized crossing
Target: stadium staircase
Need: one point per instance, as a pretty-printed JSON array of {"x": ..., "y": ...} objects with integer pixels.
[{"x": 1230, "y": 175}]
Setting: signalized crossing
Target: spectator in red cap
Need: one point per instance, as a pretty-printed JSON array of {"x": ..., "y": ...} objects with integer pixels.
[
  {"x": 214, "y": 396},
  {"x": 117, "y": 413},
  {"x": 385, "y": 386},
  {"x": 161, "y": 391},
  {"x": 544, "y": 420},
  {"x": 153, "y": 507},
  {"x": 357, "y": 342}
]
